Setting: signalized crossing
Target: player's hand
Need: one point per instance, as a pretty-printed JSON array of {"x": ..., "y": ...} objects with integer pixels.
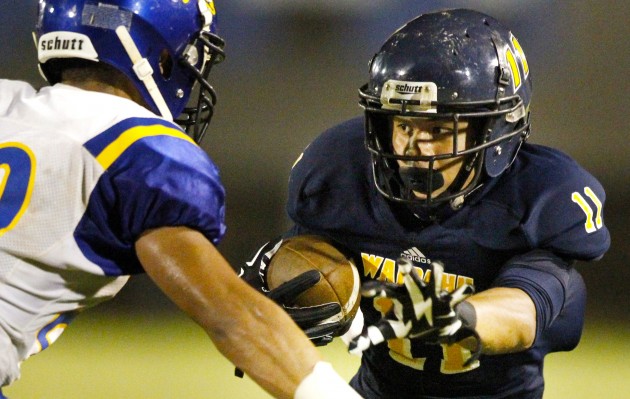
[
  {"x": 320, "y": 323},
  {"x": 422, "y": 311}
]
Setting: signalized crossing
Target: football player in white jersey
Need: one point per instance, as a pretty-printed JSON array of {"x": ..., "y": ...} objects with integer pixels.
[{"x": 97, "y": 183}]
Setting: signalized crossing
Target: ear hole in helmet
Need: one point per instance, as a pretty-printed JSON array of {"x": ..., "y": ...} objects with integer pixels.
[{"x": 166, "y": 64}]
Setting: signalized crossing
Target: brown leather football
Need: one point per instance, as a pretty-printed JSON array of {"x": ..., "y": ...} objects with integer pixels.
[{"x": 340, "y": 280}]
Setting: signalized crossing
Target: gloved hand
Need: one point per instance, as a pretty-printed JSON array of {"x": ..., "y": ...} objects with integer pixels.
[
  {"x": 420, "y": 310},
  {"x": 317, "y": 322}
]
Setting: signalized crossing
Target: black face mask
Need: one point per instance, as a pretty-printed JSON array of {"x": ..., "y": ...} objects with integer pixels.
[{"x": 419, "y": 179}]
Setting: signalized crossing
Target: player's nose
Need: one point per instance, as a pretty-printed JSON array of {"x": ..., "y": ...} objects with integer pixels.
[{"x": 416, "y": 146}]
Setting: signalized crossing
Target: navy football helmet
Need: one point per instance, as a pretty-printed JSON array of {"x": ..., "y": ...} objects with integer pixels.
[
  {"x": 452, "y": 65},
  {"x": 164, "y": 47}
]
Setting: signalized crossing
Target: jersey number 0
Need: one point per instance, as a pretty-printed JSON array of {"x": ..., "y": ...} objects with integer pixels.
[{"x": 17, "y": 175}]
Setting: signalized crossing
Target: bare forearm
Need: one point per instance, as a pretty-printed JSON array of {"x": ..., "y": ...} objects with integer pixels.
[
  {"x": 271, "y": 345},
  {"x": 506, "y": 320},
  {"x": 251, "y": 331}
]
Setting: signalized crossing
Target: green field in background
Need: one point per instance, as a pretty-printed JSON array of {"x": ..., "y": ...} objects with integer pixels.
[{"x": 158, "y": 358}]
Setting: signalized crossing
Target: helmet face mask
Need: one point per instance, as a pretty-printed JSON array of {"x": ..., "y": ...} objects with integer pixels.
[
  {"x": 452, "y": 66},
  {"x": 415, "y": 178},
  {"x": 163, "y": 48},
  {"x": 195, "y": 119}
]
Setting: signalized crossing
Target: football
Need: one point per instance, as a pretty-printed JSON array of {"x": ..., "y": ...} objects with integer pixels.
[{"x": 340, "y": 280}]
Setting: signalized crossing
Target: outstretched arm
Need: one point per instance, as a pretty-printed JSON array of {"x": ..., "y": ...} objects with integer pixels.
[
  {"x": 537, "y": 299},
  {"x": 506, "y": 320},
  {"x": 247, "y": 328}
]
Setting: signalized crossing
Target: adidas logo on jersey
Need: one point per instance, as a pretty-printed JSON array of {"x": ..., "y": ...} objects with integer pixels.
[{"x": 414, "y": 255}]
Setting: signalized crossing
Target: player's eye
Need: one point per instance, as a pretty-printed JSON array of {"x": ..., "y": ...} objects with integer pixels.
[
  {"x": 439, "y": 130},
  {"x": 404, "y": 127}
]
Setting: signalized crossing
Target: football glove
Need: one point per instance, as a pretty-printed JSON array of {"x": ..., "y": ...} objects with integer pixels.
[
  {"x": 421, "y": 311},
  {"x": 317, "y": 322}
]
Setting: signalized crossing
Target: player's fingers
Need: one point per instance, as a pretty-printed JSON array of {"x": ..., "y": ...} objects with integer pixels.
[
  {"x": 395, "y": 328},
  {"x": 404, "y": 265},
  {"x": 450, "y": 329},
  {"x": 306, "y": 316},
  {"x": 322, "y": 340},
  {"x": 410, "y": 274},
  {"x": 414, "y": 291},
  {"x": 377, "y": 334},
  {"x": 415, "y": 277},
  {"x": 401, "y": 308},
  {"x": 323, "y": 334},
  {"x": 362, "y": 342},
  {"x": 421, "y": 308},
  {"x": 435, "y": 282},
  {"x": 429, "y": 334},
  {"x": 322, "y": 329},
  {"x": 461, "y": 293},
  {"x": 288, "y": 291},
  {"x": 372, "y": 288}
]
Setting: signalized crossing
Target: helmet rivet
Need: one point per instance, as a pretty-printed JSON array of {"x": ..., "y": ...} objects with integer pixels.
[
  {"x": 180, "y": 93},
  {"x": 497, "y": 150}
]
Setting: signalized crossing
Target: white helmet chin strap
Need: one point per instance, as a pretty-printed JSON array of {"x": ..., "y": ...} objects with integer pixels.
[{"x": 143, "y": 70}]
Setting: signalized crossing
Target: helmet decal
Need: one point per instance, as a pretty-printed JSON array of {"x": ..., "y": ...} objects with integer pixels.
[
  {"x": 516, "y": 74},
  {"x": 512, "y": 61},
  {"x": 418, "y": 96},
  {"x": 210, "y": 5},
  {"x": 65, "y": 45},
  {"x": 206, "y": 7},
  {"x": 520, "y": 54}
]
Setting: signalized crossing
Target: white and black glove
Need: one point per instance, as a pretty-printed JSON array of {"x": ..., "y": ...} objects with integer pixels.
[{"x": 421, "y": 311}]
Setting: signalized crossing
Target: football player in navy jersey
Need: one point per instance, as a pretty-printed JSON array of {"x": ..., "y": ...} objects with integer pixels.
[
  {"x": 98, "y": 182},
  {"x": 436, "y": 194}
]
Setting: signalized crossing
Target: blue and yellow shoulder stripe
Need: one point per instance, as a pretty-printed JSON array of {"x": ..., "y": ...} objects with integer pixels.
[{"x": 108, "y": 146}]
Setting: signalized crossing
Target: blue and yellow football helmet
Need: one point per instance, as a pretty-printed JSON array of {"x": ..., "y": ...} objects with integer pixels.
[{"x": 164, "y": 47}]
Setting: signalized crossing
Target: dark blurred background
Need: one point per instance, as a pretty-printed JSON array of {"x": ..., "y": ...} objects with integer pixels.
[{"x": 293, "y": 69}]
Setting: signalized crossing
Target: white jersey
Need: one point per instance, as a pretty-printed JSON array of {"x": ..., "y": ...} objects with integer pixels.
[{"x": 82, "y": 175}]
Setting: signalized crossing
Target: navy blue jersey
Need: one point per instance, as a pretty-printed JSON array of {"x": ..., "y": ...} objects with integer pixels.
[{"x": 523, "y": 229}]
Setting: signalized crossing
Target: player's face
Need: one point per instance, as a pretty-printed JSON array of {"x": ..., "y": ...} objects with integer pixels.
[{"x": 427, "y": 137}]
